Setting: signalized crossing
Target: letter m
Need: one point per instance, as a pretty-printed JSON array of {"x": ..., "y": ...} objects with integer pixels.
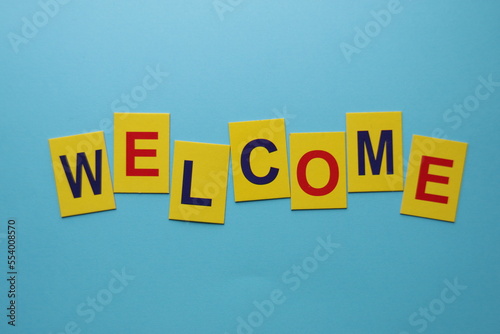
[
  {"x": 385, "y": 143},
  {"x": 82, "y": 162}
]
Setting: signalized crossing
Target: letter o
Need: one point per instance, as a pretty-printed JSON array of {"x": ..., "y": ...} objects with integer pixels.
[
  {"x": 370, "y": 32},
  {"x": 259, "y": 319},
  {"x": 84, "y": 146},
  {"x": 104, "y": 300},
  {"x": 471, "y": 103},
  {"x": 44, "y": 19},
  {"x": 139, "y": 93},
  {"x": 439, "y": 303},
  {"x": 302, "y": 175},
  {"x": 310, "y": 264},
  {"x": 211, "y": 190},
  {"x": 266, "y": 132}
]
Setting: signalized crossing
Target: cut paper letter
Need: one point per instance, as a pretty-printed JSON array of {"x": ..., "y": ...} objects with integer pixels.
[
  {"x": 318, "y": 170},
  {"x": 142, "y": 153},
  {"x": 433, "y": 178},
  {"x": 259, "y": 159},
  {"x": 82, "y": 174},
  {"x": 199, "y": 185},
  {"x": 374, "y": 151}
]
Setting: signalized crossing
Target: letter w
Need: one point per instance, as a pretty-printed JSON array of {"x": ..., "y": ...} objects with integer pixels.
[
  {"x": 81, "y": 161},
  {"x": 375, "y": 162}
]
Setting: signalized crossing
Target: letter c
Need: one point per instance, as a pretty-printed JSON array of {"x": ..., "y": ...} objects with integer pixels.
[{"x": 245, "y": 162}]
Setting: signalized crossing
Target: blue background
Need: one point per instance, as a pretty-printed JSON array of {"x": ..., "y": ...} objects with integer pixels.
[{"x": 260, "y": 60}]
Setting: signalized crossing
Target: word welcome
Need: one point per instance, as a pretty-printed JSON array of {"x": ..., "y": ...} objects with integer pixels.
[{"x": 316, "y": 173}]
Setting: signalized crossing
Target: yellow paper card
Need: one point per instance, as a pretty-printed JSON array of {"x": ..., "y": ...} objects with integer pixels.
[
  {"x": 318, "y": 170},
  {"x": 374, "y": 151},
  {"x": 433, "y": 178},
  {"x": 81, "y": 173},
  {"x": 199, "y": 182},
  {"x": 259, "y": 159},
  {"x": 142, "y": 153}
]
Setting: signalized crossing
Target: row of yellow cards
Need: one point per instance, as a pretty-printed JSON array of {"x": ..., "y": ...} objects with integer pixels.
[{"x": 323, "y": 167}]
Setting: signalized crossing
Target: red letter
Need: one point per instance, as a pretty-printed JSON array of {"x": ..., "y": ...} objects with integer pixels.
[
  {"x": 425, "y": 177},
  {"x": 132, "y": 152},
  {"x": 302, "y": 177}
]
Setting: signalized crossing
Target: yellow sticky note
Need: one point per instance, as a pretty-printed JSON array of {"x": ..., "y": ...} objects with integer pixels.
[
  {"x": 318, "y": 170},
  {"x": 259, "y": 159},
  {"x": 81, "y": 173},
  {"x": 433, "y": 178},
  {"x": 374, "y": 151},
  {"x": 199, "y": 182},
  {"x": 142, "y": 152}
]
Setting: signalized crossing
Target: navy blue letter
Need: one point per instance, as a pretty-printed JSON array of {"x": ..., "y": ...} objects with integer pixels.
[
  {"x": 186, "y": 187},
  {"x": 375, "y": 162},
  {"x": 245, "y": 162},
  {"x": 81, "y": 160}
]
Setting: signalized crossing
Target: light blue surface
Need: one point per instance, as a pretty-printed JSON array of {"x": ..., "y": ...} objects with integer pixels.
[{"x": 264, "y": 58}]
